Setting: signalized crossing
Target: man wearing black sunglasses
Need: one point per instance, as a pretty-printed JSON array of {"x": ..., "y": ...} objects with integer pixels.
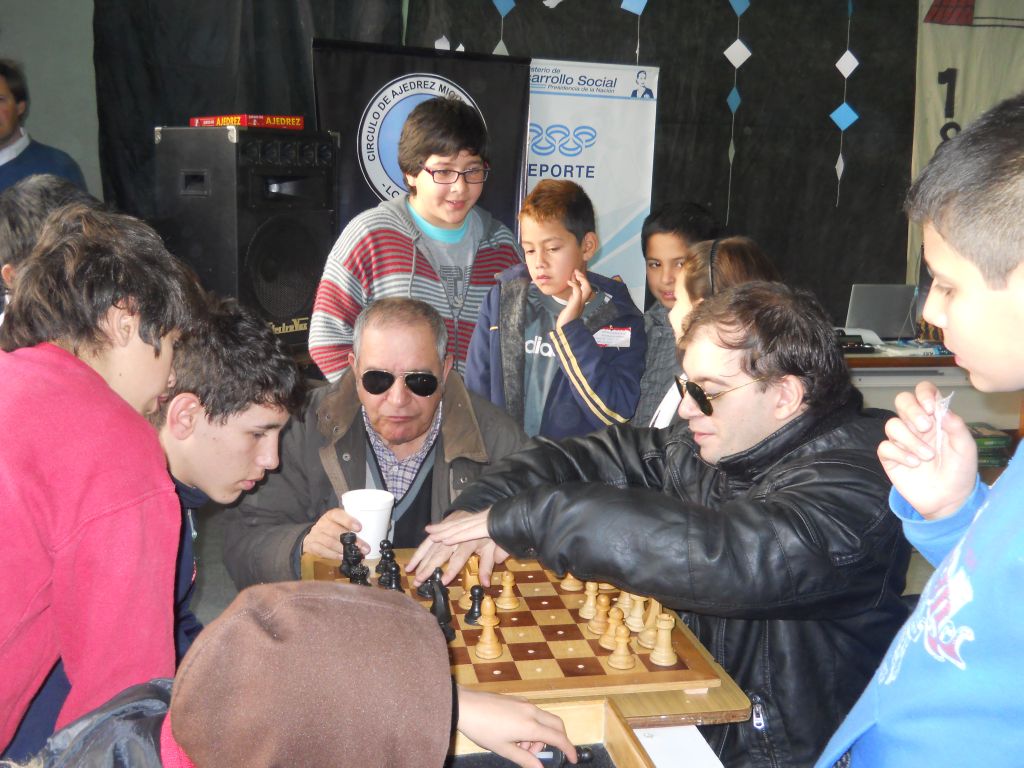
[
  {"x": 763, "y": 520},
  {"x": 400, "y": 419}
]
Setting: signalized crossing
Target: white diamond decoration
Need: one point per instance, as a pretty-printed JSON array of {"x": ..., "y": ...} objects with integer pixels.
[
  {"x": 847, "y": 63},
  {"x": 442, "y": 44},
  {"x": 500, "y": 49},
  {"x": 737, "y": 53},
  {"x": 840, "y": 167}
]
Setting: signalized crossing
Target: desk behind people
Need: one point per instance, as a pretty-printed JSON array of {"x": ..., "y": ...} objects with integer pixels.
[{"x": 881, "y": 376}]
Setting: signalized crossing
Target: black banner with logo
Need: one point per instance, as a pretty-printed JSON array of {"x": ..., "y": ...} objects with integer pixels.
[{"x": 365, "y": 92}]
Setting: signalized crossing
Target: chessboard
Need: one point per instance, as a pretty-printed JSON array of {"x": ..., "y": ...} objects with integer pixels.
[{"x": 547, "y": 649}]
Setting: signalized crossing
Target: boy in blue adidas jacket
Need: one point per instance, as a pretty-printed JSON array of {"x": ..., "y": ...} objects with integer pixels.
[{"x": 561, "y": 349}]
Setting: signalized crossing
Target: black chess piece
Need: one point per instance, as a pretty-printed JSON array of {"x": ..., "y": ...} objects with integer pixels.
[
  {"x": 553, "y": 757},
  {"x": 426, "y": 590},
  {"x": 387, "y": 555},
  {"x": 394, "y": 572},
  {"x": 476, "y": 597},
  {"x": 441, "y": 606},
  {"x": 351, "y": 555},
  {"x": 360, "y": 574}
]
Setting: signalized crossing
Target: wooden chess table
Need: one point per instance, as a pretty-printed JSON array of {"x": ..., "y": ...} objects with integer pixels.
[{"x": 548, "y": 653}]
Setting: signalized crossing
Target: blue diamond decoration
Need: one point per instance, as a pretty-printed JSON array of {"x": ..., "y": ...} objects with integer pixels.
[
  {"x": 739, "y": 6},
  {"x": 844, "y": 116},
  {"x": 634, "y": 6},
  {"x": 733, "y": 100},
  {"x": 504, "y": 6}
]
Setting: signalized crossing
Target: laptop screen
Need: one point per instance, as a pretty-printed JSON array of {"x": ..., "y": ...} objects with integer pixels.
[{"x": 888, "y": 310}]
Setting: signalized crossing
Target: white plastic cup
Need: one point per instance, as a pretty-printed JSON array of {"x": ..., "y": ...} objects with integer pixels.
[{"x": 372, "y": 508}]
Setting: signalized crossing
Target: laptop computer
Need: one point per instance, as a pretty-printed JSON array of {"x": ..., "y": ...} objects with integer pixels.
[{"x": 887, "y": 309}]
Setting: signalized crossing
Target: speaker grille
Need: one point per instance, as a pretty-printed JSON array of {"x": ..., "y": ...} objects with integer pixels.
[{"x": 283, "y": 263}]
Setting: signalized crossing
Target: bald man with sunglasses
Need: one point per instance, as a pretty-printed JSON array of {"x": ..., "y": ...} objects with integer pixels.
[
  {"x": 399, "y": 419},
  {"x": 763, "y": 520}
]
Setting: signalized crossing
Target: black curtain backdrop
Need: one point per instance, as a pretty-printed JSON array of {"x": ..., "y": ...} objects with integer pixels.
[
  {"x": 784, "y": 178},
  {"x": 160, "y": 63}
]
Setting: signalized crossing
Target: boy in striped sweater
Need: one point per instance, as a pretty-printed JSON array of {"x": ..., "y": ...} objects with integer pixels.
[{"x": 433, "y": 244}]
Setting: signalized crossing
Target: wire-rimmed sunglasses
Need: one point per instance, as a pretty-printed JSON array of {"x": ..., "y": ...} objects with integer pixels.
[
  {"x": 419, "y": 383},
  {"x": 702, "y": 398},
  {"x": 450, "y": 176}
]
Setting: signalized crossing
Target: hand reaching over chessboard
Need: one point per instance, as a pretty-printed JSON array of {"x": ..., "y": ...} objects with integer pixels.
[{"x": 453, "y": 541}]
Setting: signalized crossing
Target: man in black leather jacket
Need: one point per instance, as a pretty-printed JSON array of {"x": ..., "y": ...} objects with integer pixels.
[{"x": 764, "y": 520}]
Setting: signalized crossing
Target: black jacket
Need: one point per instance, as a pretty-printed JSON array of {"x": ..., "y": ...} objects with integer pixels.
[{"x": 784, "y": 559}]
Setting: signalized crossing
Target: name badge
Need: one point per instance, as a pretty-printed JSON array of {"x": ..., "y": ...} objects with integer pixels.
[{"x": 613, "y": 337}]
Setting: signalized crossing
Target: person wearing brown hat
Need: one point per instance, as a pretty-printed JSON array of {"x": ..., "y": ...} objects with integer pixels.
[{"x": 310, "y": 674}]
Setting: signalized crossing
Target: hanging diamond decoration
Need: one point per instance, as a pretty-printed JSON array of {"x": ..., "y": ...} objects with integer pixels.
[
  {"x": 733, "y": 100},
  {"x": 847, "y": 63},
  {"x": 737, "y": 53},
  {"x": 840, "y": 167},
  {"x": 739, "y": 6},
  {"x": 844, "y": 116}
]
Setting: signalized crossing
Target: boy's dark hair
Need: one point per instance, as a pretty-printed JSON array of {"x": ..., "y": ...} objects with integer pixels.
[
  {"x": 782, "y": 331},
  {"x": 688, "y": 221},
  {"x": 562, "y": 201},
  {"x": 972, "y": 191},
  {"x": 11, "y": 71},
  {"x": 87, "y": 261},
  {"x": 24, "y": 207},
  {"x": 443, "y": 125},
  {"x": 232, "y": 362},
  {"x": 737, "y": 260}
]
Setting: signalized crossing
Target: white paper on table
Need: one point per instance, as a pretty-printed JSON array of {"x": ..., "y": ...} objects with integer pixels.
[{"x": 677, "y": 745}]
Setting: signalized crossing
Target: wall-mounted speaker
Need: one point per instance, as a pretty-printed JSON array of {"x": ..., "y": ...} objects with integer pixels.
[{"x": 253, "y": 212}]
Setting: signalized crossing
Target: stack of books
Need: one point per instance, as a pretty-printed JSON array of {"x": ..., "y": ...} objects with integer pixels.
[{"x": 994, "y": 445}]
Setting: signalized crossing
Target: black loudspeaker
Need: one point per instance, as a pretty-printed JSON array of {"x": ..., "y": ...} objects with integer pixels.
[{"x": 253, "y": 212}]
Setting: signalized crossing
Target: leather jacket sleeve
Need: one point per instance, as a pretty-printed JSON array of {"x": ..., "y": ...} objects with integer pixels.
[{"x": 798, "y": 542}]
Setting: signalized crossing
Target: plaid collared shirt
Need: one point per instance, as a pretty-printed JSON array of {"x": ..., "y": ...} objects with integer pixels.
[{"x": 399, "y": 474}]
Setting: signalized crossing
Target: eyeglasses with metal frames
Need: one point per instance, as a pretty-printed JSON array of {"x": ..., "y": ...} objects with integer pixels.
[{"x": 702, "y": 398}]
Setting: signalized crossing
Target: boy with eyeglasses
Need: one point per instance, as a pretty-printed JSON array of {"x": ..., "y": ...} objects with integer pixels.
[
  {"x": 399, "y": 419},
  {"x": 763, "y": 520},
  {"x": 433, "y": 244},
  {"x": 558, "y": 347}
]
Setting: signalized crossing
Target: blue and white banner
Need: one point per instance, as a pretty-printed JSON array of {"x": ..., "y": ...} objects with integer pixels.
[{"x": 594, "y": 124}]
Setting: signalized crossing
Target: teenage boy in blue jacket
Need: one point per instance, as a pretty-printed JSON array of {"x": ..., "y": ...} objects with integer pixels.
[
  {"x": 946, "y": 692},
  {"x": 560, "y": 348}
]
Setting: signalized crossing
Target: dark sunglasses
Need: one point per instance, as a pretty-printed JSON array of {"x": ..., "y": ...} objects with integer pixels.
[
  {"x": 379, "y": 382},
  {"x": 702, "y": 398}
]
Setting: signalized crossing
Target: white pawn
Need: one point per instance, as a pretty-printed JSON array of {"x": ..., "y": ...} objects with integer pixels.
[
  {"x": 663, "y": 654},
  {"x": 589, "y": 608},
  {"x": 599, "y": 623},
  {"x": 625, "y": 602},
  {"x": 622, "y": 658},
  {"x": 635, "y": 620},
  {"x": 607, "y": 640},
  {"x": 507, "y": 601},
  {"x": 571, "y": 584}
]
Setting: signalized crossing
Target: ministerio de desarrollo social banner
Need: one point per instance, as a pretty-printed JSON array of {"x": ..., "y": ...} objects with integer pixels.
[{"x": 594, "y": 124}]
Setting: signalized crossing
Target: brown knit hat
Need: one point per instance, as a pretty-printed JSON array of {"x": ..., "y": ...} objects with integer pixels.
[{"x": 315, "y": 673}]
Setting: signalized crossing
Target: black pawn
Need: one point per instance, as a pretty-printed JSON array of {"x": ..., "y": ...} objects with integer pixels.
[
  {"x": 360, "y": 575},
  {"x": 476, "y": 596},
  {"x": 387, "y": 555},
  {"x": 394, "y": 574}
]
